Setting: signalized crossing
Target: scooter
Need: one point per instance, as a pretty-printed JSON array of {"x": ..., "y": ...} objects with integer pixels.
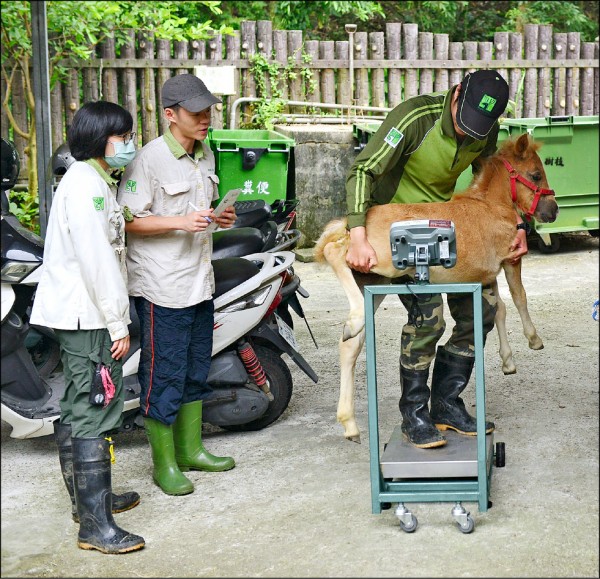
[{"x": 252, "y": 384}]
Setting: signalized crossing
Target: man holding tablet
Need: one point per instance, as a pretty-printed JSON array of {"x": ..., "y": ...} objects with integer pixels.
[{"x": 166, "y": 194}]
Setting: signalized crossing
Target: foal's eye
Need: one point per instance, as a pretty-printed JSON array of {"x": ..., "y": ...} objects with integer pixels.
[{"x": 536, "y": 176}]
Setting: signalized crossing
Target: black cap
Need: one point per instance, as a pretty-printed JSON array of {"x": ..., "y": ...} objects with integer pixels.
[
  {"x": 189, "y": 92},
  {"x": 483, "y": 98}
]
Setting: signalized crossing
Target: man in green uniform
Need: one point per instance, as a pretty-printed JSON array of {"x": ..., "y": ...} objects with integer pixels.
[{"x": 416, "y": 156}]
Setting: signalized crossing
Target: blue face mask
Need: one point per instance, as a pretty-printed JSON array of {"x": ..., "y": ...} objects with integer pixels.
[{"x": 124, "y": 154}]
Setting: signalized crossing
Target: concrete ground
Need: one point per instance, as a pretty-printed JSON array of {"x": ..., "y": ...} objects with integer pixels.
[{"x": 298, "y": 503}]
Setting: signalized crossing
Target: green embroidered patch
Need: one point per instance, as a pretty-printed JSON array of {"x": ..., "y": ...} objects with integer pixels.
[
  {"x": 98, "y": 203},
  {"x": 127, "y": 214},
  {"x": 130, "y": 186},
  {"x": 487, "y": 103},
  {"x": 393, "y": 137}
]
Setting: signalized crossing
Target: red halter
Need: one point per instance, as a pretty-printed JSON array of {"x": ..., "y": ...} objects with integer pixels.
[{"x": 539, "y": 191}]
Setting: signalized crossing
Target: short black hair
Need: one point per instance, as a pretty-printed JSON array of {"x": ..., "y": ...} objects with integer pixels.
[{"x": 92, "y": 124}]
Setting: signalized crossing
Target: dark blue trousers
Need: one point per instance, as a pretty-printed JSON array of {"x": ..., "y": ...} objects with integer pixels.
[{"x": 176, "y": 349}]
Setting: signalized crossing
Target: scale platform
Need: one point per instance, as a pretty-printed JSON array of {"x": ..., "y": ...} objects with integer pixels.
[{"x": 456, "y": 459}]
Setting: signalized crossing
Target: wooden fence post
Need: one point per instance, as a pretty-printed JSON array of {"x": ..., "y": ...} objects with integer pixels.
[
  {"x": 515, "y": 84},
  {"x": 530, "y": 92},
  {"x": 376, "y": 52},
  {"x": 573, "y": 49},
  {"x": 110, "y": 91},
  {"x": 543, "y": 88},
  {"x": 393, "y": 31},
  {"x": 232, "y": 50},
  {"x": 314, "y": 95},
  {"x": 264, "y": 46},
  {"x": 327, "y": 52},
  {"x": 280, "y": 50},
  {"x": 295, "y": 54},
  {"x": 128, "y": 84},
  {"x": 587, "y": 81},
  {"x": 501, "y": 52},
  {"x": 342, "y": 48},
  {"x": 440, "y": 51},
  {"x": 456, "y": 53},
  {"x": 426, "y": 53},
  {"x": 410, "y": 37},
  {"x": 147, "y": 88},
  {"x": 248, "y": 36},
  {"x": 560, "y": 75},
  {"x": 361, "y": 75},
  {"x": 163, "y": 52},
  {"x": 56, "y": 115}
]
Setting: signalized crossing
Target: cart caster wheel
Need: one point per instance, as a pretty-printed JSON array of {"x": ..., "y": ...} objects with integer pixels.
[
  {"x": 410, "y": 527},
  {"x": 500, "y": 454},
  {"x": 468, "y": 526}
]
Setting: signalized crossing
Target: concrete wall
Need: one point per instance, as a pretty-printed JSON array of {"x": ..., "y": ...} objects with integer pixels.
[{"x": 323, "y": 155}]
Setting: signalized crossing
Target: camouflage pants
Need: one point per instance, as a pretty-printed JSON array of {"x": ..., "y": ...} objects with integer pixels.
[{"x": 419, "y": 341}]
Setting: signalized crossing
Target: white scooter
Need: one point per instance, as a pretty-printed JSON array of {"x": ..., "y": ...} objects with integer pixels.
[{"x": 252, "y": 383}]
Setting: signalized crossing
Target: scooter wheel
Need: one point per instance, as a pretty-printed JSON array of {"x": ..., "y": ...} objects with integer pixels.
[
  {"x": 45, "y": 354},
  {"x": 281, "y": 384}
]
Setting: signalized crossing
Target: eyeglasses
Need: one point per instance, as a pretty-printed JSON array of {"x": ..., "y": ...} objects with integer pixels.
[{"x": 127, "y": 138}]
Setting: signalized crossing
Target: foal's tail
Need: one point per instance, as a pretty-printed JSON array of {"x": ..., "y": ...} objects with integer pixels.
[{"x": 335, "y": 232}]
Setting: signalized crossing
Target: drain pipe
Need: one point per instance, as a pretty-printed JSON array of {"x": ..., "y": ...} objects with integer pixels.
[{"x": 316, "y": 105}]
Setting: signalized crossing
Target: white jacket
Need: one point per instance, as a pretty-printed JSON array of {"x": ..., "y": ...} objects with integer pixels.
[{"x": 84, "y": 281}]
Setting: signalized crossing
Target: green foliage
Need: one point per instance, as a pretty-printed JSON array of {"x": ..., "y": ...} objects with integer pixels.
[
  {"x": 26, "y": 209},
  {"x": 270, "y": 78},
  {"x": 563, "y": 16}
]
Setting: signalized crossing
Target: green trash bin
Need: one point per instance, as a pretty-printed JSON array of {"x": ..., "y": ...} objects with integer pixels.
[
  {"x": 259, "y": 162},
  {"x": 570, "y": 156}
]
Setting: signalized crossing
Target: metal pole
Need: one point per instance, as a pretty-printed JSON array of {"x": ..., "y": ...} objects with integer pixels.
[
  {"x": 41, "y": 95},
  {"x": 351, "y": 29}
]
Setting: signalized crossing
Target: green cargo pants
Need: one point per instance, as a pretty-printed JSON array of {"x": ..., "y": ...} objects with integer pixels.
[
  {"x": 80, "y": 351},
  {"x": 418, "y": 344}
]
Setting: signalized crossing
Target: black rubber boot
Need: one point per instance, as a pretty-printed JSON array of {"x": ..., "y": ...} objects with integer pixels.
[
  {"x": 91, "y": 475},
  {"x": 451, "y": 374},
  {"x": 416, "y": 422},
  {"x": 62, "y": 436}
]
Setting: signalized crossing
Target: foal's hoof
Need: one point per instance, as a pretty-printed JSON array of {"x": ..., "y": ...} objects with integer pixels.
[
  {"x": 536, "y": 344},
  {"x": 354, "y": 438}
]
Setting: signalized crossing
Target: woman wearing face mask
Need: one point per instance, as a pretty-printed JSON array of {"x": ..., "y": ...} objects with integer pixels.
[{"x": 82, "y": 294}]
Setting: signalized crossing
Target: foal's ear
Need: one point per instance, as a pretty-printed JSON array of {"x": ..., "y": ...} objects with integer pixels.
[{"x": 522, "y": 145}]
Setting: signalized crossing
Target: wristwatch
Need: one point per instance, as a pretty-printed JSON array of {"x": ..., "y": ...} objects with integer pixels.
[{"x": 525, "y": 226}]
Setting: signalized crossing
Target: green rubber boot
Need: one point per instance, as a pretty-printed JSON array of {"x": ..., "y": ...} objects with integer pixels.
[
  {"x": 189, "y": 450},
  {"x": 166, "y": 474}
]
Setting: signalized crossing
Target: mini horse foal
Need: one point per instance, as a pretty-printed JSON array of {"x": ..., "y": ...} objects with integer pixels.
[{"x": 484, "y": 219}]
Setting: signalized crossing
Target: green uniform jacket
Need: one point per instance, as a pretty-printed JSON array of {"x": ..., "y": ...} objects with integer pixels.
[{"x": 414, "y": 157}]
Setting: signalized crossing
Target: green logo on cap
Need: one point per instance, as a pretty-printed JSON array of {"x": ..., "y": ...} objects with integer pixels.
[{"x": 487, "y": 103}]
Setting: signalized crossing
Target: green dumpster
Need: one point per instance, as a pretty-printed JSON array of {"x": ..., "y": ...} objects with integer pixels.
[{"x": 259, "y": 162}]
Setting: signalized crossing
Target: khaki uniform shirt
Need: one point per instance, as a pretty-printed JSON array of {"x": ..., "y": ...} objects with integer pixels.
[{"x": 171, "y": 269}]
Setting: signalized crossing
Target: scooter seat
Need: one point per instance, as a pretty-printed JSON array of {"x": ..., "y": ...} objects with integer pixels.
[
  {"x": 251, "y": 213},
  {"x": 237, "y": 242},
  {"x": 231, "y": 272}
]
